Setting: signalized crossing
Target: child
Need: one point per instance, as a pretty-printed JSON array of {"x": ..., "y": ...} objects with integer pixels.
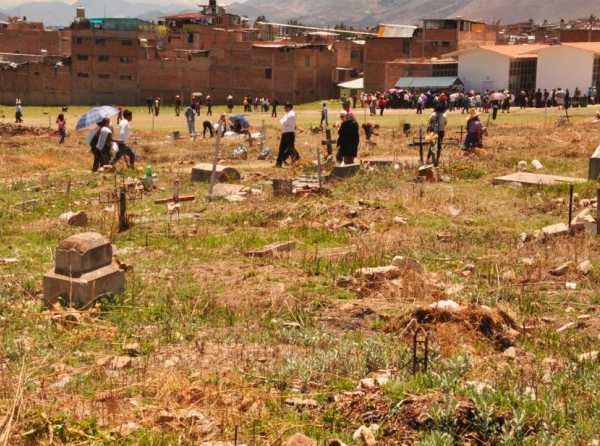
[
  {"x": 62, "y": 128},
  {"x": 474, "y": 132}
]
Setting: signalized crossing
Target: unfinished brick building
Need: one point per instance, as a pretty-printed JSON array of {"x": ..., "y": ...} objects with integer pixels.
[
  {"x": 434, "y": 39},
  {"x": 23, "y": 37}
]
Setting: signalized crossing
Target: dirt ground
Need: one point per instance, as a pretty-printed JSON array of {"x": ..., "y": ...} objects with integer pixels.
[{"x": 210, "y": 345}]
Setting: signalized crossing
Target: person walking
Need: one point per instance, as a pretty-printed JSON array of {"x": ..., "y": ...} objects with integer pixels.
[
  {"x": 287, "y": 144},
  {"x": 230, "y": 103},
  {"x": 18, "y": 111},
  {"x": 157, "y": 107},
  {"x": 437, "y": 125},
  {"x": 124, "y": 149},
  {"x": 209, "y": 105},
  {"x": 177, "y": 105},
  {"x": 101, "y": 144},
  {"x": 190, "y": 117},
  {"x": 62, "y": 128},
  {"x": 274, "y": 106},
  {"x": 325, "y": 115},
  {"x": 382, "y": 104},
  {"x": 348, "y": 139}
]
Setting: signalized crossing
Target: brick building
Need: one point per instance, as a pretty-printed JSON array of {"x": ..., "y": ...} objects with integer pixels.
[
  {"x": 21, "y": 36},
  {"x": 434, "y": 39}
]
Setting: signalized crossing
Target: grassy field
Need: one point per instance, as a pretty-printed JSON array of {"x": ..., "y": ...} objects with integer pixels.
[{"x": 258, "y": 349}]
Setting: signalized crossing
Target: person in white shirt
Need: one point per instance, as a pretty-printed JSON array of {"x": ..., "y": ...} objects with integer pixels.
[
  {"x": 123, "y": 142},
  {"x": 288, "y": 137},
  {"x": 101, "y": 143}
]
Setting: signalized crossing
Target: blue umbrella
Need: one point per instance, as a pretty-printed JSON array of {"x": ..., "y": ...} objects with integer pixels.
[
  {"x": 241, "y": 118},
  {"x": 95, "y": 115}
]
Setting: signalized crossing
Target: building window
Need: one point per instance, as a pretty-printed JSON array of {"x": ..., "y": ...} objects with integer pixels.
[
  {"x": 104, "y": 76},
  {"x": 100, "y": 42},
  {"x": 126, "y": 77},
  {"x": 406, "y": 46},
  {"x": 83, "y": 75},
  {"x": 355, "y": 54},
  {"x": 82, "y": 57},
  {"x": 126, "y": 59},
  {"x": 446, "y": 44},
  {"x": 445, "y": 70},
  {"x": 596, "y": 75},
  {"x": 523, "y": 75},
  {"x": 268, "y": 73},
  {"x": 103, "y": 58},
  {"x": 307, "y": 61},
  {"x": 127, "y": 42},
  {"x": 190, "y": 38},
  {"x": 77, "y": 40}
]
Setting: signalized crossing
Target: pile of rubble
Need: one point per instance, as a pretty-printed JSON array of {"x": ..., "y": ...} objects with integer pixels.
[{"x": 7, "y": 129}]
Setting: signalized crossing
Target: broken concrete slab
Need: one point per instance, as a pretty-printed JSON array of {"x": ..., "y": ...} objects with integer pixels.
[
  {"x": 74, "y": 218},
  {"x": 272, "y": 249},
  {"x": 555, "y": 230},
  {"x": 536, "y": 179},
  {"x": 202, "y": 173},
  {"x": 408, "y": 264},
  {"x": 380, "y": 273},
  {"x": 391, "y": 162},
  {"x": 594, "y": 169},
  {"x": 562, "y": 269}
]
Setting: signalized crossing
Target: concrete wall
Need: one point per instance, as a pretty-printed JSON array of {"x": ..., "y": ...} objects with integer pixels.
[
  {"x": 482, "y": 70},
  {"x": 564, "y": 67}
]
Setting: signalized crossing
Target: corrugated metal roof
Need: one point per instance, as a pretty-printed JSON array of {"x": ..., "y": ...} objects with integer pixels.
[
  {"x": 428, "y": 82},
  {"x": 356, "y": 84}
]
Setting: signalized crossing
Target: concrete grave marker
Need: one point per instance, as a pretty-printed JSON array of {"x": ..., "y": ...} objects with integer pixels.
[
  {"x": 344, "y": 171},
  {"x": 84, "y": 270}
]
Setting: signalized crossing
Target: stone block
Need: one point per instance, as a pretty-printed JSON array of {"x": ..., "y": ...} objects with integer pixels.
[
  {"x": 81, "y": 291},
  {"x": 74, "y": 218},
  {"x": 594, "y": 171},
  {"x": 203, "y": 172},
  {"x": 272, "y": 249},
  {"x": 345, "y": 171},
  {"x": 82, "y": 253}
]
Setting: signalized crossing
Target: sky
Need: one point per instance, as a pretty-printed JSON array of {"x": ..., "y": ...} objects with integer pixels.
[{"x": 11, "y": 3}]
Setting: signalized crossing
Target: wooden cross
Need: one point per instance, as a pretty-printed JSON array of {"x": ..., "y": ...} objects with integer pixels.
[
  {"x": 176, "y": 198},
  {"x": 328, "y": 142}
]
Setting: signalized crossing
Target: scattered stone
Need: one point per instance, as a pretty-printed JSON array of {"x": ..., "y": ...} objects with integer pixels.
[
  {"x": 235, "y": 198},
  {"x": 537, "y": 165},
  {"x": 203, "y": 172},
  {"x": 299, "y": 440},
  {"x": 300, "y": 403},
  {"x": 120, "y": 362},
  {"x": 571, "y": 286},
  {"x": 469, "y": 267},
  {"x": 444, "y": 237},
  {"x": 379, "y": 273},
  {"x": 445, "y": 305},
  {"x": 8, "y": 261},
  {"x": 509, "y": 275},
  {"x": 528, "y": 261},
  {"x": 273, "y": 249},
  {"x": 511, "y": 353},
  {"x": 400, "y": 221},
  {"x": 74, "y": 218},
  {"x": 364, "y": 436},
  {"x": 585, "y": 267},
  {"x": 567, "y": 326},
  {"x": 561, "y": 270},
  {"x": 555, "y": 230},
  {"x": 133, "y": 349},
  {"x": 589, "y": 357},
  {"x": 408, "y": 264}
]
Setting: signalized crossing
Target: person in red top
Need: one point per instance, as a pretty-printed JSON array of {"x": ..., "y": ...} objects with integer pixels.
[
  {"x": 61, "y": 122},
  {"x": 382, "y": 104}
]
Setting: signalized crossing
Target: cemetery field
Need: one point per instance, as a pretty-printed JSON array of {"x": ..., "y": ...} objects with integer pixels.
[{"x": 211, "y": 345}]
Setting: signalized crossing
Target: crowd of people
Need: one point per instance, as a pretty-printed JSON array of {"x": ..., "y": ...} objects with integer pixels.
[{"x": 107, "y": 149}]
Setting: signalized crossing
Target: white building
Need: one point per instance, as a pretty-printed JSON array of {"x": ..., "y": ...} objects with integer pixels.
[
  {"x": 498, "y": 67},
  {"x": 569, "y": 65}
]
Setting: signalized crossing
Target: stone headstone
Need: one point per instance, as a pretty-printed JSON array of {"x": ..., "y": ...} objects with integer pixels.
[
  {"x": 203, "y": 172},
  {"x": 594, "y": 172},
  {"x": 84, "y": 271}
]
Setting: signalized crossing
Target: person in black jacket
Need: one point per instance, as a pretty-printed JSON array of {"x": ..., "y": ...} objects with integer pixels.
[{"x": 348, "y": 139}]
